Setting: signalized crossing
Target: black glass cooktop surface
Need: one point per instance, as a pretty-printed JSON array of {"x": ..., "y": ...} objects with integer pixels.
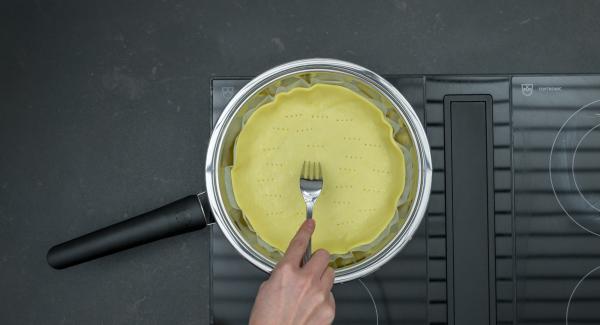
[
  {"x": 512, "y": 232},
  {"x": 556, "y": 150}
]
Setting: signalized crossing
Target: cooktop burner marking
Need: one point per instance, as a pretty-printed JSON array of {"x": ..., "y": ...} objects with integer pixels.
[
  {"x": 372, "y": 300},
  {"x": 550, "y": 167},
  {"x": 575, "y": 289},
  {"x": 573, "y": 169}
]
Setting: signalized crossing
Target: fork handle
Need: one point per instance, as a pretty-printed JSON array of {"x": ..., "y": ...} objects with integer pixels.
[{"x": 309, "y": 213}]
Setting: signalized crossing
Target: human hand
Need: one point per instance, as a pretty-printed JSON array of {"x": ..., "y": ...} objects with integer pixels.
[{"x": 296, "y": 294}]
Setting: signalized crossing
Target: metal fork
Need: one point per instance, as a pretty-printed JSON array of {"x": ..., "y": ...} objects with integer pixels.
[{"x": 311, "y": 183}]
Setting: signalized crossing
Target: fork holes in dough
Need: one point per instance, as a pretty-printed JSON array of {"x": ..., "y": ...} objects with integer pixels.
[
  {"x": 341, "y": 202},
  {"x": 280, "y": 129},
  {"x": 303, "y": 130},
  {"x": 274, "y": 195},
  {"x": 269, "y": 149},
  {"x": 274, "y": 213},
  {"x": 353, "y": 157},
  {"x": 372, "y": 145},
  {"x": 381, "y": 171},
  {"x": 274, "y": 164}
]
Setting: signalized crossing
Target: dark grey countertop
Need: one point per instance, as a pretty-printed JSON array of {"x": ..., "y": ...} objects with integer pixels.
[{"x": 105, "y": 114}]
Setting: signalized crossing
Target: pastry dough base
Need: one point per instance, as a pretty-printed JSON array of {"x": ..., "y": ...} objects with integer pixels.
[{"x": 363, "y": 168}]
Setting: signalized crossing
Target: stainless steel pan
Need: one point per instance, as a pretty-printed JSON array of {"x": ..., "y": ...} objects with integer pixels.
[{"x": 213, "y": 206}]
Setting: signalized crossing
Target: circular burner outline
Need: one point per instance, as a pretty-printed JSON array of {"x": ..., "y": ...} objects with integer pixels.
[
  {"x": 371, "y": 297},
  {"x": 573, "y": 168},
  {"x": 575, "y": 289},
  {"x": 550, "y": 167}
]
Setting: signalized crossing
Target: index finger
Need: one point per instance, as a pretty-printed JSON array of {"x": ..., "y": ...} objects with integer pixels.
[{"x": 299, "y": 243}]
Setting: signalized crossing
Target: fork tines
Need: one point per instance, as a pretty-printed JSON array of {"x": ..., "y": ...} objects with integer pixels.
[{"x": 311, "y": 170}]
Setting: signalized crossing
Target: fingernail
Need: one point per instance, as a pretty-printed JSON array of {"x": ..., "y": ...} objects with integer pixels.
[{"x": 324, "y": 251}]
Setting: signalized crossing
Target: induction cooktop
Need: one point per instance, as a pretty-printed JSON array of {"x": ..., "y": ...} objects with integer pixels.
[{"x": 512, "y": 232}]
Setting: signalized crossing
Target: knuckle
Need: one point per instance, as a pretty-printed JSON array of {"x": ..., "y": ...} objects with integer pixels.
[
  {"x": 285, "y": 268},
  {"x": 295, "y": 244},
  {"x": 288, "y": 273},
  {"x": 298, "y": 241},
  {"x": 323, "y": 296}
]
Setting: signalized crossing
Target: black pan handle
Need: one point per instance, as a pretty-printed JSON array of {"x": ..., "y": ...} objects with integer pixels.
[{"x": 190, "y": 213}]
